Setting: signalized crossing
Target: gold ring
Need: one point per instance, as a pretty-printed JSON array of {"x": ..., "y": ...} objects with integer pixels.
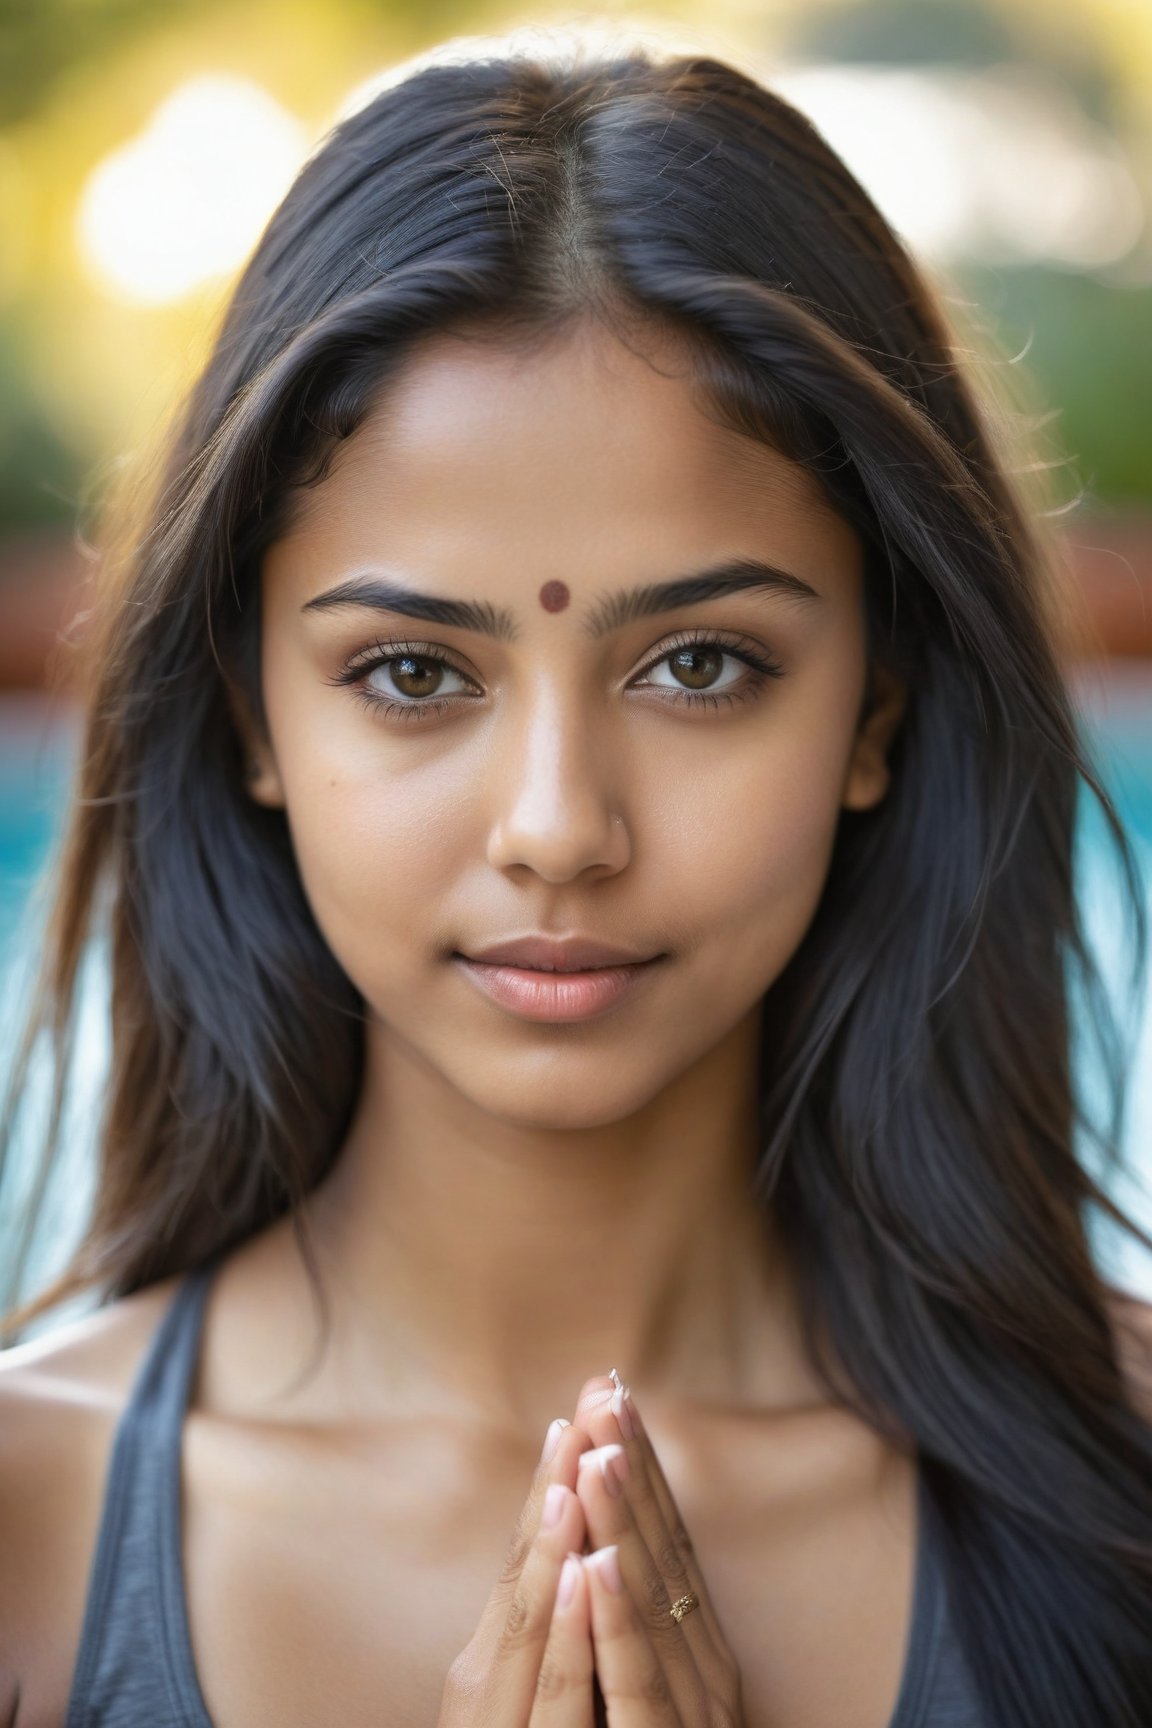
[{"x": 683, "y": 1605}]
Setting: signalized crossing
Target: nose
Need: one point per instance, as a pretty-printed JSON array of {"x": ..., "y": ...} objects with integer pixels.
[{"x": 554, "y": 786}]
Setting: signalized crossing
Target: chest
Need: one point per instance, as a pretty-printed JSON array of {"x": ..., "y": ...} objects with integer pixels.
[{"x": 327, "y": 1584}]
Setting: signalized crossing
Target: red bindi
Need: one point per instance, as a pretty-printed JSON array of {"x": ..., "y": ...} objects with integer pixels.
[{"x": 554, "y": 596}]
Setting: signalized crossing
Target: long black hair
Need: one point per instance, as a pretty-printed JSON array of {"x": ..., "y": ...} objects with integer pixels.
[{"x": 918, "y": 1106}]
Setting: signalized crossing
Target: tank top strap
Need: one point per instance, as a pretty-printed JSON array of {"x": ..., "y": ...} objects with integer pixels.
[
  {"x": 938, "y": 1690},
  {"x": 922, "y": 1648},
  {"x": 126, "y": 1671}
]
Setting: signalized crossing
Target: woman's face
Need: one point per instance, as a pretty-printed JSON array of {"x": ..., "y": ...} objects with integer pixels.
[{"x": 553, "y": 758}]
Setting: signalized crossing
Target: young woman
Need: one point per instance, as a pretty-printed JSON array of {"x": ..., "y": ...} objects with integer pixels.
[{"x": 584, "y": 792}]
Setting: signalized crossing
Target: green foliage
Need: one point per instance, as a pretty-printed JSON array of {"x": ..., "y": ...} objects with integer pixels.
[
  {"x": 41, "y": 39},
  {"x": 906, "y": 33},
  {"x": 1089, "y": 360},
  {"x": 40, "y": 475}
]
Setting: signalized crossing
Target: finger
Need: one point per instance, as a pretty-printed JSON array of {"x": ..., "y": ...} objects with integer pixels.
[
  {"x": 568, "y": 1443},
  {"x": 564, "y": 1697},
  {"x": 632, "y": 1678},
  {"x": 606, "y": 1407},
  {"x": 611, "y": 1521},
  {"x": 495, "y": 1675},
  {"x": 608, "y": 1413},
  {"x": 699, "y": 1623}
]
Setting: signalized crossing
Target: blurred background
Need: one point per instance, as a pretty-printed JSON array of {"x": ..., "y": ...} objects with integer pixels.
[{"x": 144, "y": 143}]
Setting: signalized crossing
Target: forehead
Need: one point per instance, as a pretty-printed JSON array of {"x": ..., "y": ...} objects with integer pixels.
[{"x": 576, "y": 453}]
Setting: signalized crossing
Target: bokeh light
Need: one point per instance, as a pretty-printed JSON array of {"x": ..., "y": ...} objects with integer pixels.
[
  {"x": 995, "y": 167},
  {"x": 184, "y": 201}
]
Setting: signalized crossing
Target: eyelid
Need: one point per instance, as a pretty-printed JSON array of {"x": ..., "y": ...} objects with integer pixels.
[
  {"x": 396, "y": 648},
  {"x": 687, "y": 637},
  {"x": 733, "y": 642}
]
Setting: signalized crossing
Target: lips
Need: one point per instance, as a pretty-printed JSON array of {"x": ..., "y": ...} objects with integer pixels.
[
  {"x": 557, "y": 954},
  {"x": 582, "y": 992}
]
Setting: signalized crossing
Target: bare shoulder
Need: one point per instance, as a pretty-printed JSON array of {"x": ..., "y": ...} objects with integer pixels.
[
  {"x": 87, "y": 1357},
  {"x": 1131, "y": 1319},
  {"x": 60, "y": 1396}
]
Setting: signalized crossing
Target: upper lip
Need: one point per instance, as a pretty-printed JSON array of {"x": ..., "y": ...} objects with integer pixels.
[{"x": 557, "y": 953}]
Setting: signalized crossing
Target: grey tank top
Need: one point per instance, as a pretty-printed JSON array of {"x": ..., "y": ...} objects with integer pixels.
[{"x": 135, "y": 1667}]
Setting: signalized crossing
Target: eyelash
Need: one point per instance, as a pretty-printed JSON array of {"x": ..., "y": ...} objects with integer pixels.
[{"x": 362, "y": 665}]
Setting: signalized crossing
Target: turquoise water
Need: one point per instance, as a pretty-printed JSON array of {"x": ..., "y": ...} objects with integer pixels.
[
  {"x": 37, "y": 753},
  {"x": 37, "y": 749}
]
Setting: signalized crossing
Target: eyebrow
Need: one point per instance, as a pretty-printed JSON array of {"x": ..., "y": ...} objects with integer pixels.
[{"x": 611, "y": 612}]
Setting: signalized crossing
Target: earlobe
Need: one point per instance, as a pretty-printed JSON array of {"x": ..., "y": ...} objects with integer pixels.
[
  {"x": 869, "y": 776},
  {"x": 262, "y": 782},
  {"x": 260, "y": 774}
]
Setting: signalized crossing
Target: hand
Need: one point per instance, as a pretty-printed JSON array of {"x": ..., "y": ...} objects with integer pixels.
[
  {"x": 529, "y": 1662},
  {"x": 654, "y": 1671},
  {"x": 540, "y": 1654}
]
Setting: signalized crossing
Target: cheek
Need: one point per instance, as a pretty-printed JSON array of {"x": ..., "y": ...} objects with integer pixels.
[
  {"x": 377, "y": 835},
  {"x": 769, "y": 815}
]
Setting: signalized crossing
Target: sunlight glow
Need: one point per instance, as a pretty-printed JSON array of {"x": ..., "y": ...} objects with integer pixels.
[
  {"x": 185, "y": 200},
  {"x": 1000, "y": 166}
]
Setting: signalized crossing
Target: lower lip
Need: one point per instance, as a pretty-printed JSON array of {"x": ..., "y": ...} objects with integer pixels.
[{"x": 556, "y": 995}]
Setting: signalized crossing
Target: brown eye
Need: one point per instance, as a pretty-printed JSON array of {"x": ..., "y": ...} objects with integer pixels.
[
  {"x": 691, "y": 668},
  {"x": 415, "y": 676},
  {"x": 698, "y": 666},
  {"x": 416, "y": 688},
  {"x": 404, "y": 682}
]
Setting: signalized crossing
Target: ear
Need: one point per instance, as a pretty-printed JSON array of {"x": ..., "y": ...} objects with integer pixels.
[
  {"x": 261, "y": 775},
  {"x": 868, "y": 776}
]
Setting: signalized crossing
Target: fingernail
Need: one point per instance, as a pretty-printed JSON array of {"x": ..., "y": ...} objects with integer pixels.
[
  {"x": 613, "y": 1466},
  {"x": 621, "y": 1412},
  {"x": 553, "y": 1505},
  {"x": 552, "y": 1438},
  {"x": 569, "y": 1573},
  {"x": 606, "y": 1561}
]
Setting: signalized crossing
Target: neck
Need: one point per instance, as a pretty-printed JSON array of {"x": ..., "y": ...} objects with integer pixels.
[{"x": 489, "y": 1266}]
